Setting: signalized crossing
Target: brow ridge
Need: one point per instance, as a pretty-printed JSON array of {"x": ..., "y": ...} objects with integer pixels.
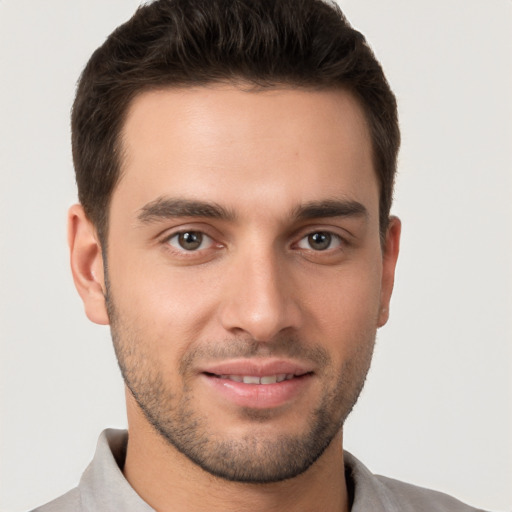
[
  {"x": 166, "y": 207},
  {"x": 330, "y": 208}
]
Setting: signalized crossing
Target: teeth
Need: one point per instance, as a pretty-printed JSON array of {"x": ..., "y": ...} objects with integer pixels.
[
  {"x": 249, "y": 379},
  {"x": 253, "y": 379},
  {"x": 236, "y": 378}
]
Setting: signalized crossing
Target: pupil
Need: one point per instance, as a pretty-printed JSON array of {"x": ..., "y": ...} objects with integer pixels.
[
  {"x": 319, "y": 241},
  {"x": 190, "y": 240}
]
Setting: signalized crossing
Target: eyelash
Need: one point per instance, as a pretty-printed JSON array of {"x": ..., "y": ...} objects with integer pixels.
[
  {"x": 334, "y": 238},
  {"x": 182, "y": 252}
]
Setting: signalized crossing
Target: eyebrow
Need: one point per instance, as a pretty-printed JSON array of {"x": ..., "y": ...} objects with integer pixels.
[
  {"x": 330, "y": 208},
  {"x": 165, "y": 208}
]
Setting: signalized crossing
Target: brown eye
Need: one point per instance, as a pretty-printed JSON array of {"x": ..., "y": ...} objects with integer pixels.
[
  {"x": 190, "y": 241},
  {"x": 320, "y": 241}
]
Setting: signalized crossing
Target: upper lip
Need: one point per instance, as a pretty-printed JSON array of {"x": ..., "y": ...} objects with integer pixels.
[{"x": 258, "y": 367}]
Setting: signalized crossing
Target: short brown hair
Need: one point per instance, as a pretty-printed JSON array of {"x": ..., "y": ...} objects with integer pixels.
[{"x": 266, "y": 43}]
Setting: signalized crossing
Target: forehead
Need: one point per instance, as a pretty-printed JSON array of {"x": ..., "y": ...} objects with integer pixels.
[{"x": 261, "y": 148}]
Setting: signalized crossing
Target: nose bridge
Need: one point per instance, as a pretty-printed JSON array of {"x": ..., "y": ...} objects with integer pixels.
[{"x": 260, "y": 300}]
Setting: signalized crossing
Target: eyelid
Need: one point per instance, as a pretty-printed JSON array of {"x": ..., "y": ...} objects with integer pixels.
[
  {"x": 185, "y": 227},
  {"x": 345, "y": 236},
  {"x": 180, "y": 253},
  {"x": 334, "y": 238},
  {"x": 206, "y": 240}
]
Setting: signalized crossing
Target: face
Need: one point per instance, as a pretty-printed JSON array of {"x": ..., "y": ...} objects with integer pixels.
[{"x": 246, "y": 278}]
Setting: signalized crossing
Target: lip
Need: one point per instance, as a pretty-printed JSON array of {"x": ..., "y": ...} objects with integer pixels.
[
  {"x": 257, "y": 367},
  {"x": 257, "y": 396}
]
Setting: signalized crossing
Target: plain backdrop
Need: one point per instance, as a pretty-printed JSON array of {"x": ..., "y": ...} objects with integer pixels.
[{"x": 437, "y": 407}]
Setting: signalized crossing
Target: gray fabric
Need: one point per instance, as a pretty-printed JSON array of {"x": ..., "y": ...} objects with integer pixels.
[{"x": 103, "y": 487}]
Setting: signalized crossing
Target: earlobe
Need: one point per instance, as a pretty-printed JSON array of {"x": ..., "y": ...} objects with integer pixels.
[
  {"x": 87, "y": 264},
  {"x": 389, "y": 259}
]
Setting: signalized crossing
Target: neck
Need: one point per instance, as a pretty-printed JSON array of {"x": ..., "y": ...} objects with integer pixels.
[{"x": 167, "y": 480}]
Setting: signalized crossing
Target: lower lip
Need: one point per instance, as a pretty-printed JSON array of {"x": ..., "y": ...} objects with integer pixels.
[{"x": 259, "y": 396}]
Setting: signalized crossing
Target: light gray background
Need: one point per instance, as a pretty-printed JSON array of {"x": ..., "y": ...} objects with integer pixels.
[{"x": 437, "y": 406}]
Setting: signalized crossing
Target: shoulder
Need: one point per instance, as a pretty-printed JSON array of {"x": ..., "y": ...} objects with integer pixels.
[
  {"x": 383, "y": 494},
  {"x": 415, "y": 499},
  {"x": 69, "y": 502}
]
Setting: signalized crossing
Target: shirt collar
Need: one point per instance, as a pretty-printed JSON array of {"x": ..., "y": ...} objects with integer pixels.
[{"x": 104, "y": 487}]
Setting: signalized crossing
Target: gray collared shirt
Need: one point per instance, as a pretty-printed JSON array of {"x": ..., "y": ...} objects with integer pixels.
[{"x": 103, "y": 488}]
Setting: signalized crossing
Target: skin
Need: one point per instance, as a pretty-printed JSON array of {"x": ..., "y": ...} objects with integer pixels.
[{"x": 258, "y": 288}]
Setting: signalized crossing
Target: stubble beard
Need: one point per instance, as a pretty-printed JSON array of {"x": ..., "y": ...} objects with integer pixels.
[{"x": 256, "y": 457}]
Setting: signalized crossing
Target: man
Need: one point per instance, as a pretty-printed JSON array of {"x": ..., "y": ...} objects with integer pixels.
[{"x": 235, "y": 164}]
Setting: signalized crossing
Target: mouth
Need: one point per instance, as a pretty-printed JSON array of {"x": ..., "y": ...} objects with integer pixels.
[
  {"x": 258, "y": 384},
  {"x": 259, "y": 380}
]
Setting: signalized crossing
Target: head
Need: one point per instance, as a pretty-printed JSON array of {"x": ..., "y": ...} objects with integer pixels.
[
  {"x": 305, "y": 44},
  {"x": 235, "y": 164}
]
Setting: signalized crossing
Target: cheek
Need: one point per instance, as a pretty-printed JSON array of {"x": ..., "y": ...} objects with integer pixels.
[
  {"x": 166, "y": 303},
  {"x": 346, "y": 307}
]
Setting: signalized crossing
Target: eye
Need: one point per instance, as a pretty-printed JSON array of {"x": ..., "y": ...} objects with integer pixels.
[
  {"x": 320, "y": 241},
  {"x": 190, "y": 241}
]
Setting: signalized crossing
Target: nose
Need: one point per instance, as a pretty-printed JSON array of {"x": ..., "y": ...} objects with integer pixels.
[{"x": 261, "y": 298}]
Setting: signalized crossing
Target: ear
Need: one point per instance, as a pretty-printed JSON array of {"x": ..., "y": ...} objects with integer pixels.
[
  {"x": 87, "y": 264},
  {"x": 389, "y": 259}
]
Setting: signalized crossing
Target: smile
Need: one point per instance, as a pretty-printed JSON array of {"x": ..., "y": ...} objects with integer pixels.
[
  {"x": 254, "y": 379},
  {"x": 258, "y": 384}
]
